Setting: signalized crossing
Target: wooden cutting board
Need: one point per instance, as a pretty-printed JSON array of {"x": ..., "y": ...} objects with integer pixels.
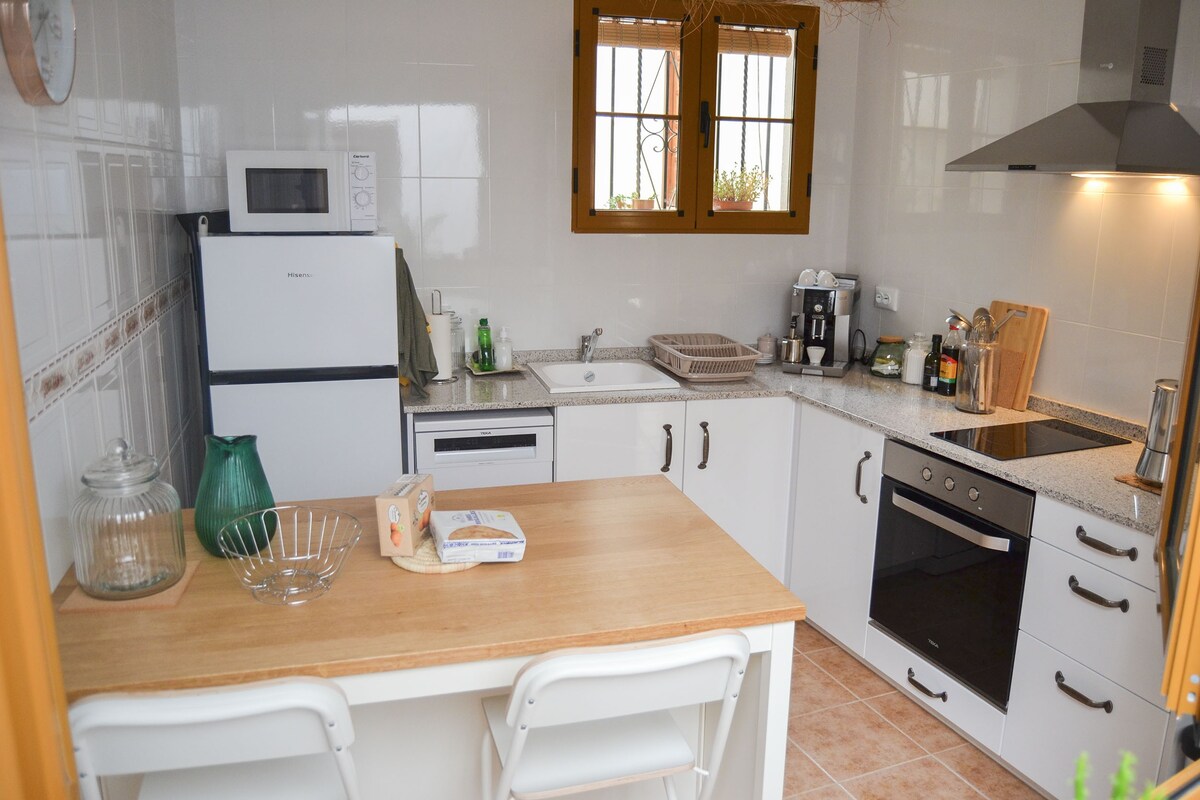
[{"x": 1019, "y": 342}]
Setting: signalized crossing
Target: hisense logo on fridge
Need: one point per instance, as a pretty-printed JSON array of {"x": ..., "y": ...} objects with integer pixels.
[{"x": 299, "y": 274}]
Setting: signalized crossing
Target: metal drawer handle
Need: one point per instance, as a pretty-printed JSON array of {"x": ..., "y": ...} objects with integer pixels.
[
  {"x": 858, "y": 476},
  {"x": 1079, "y": 696},
  {"x": 704, "y": 455},
  {"x": 666, "y": 467},
  {"x": 912, "y": 678},
  {"x": 1089, "y": 595},
  {"x": 1105, "y": 547}
]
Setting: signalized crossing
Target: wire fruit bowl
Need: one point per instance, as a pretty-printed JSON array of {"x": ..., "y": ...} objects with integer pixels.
[{"x": 299, "y": 561}]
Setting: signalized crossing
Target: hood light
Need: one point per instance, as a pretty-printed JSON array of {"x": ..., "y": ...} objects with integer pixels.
[{"x": 1108, "y": 175}]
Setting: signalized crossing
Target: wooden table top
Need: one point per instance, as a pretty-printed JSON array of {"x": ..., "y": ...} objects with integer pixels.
[{"x": 606, "y": 561}]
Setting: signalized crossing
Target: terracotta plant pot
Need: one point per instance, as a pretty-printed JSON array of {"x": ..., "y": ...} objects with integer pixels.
[
  {"x": 643, "y": 205},
  {"x": 733, "y": 205}
]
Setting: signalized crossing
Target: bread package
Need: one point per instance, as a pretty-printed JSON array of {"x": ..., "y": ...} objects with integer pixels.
[{"x": 462, "y": 536}]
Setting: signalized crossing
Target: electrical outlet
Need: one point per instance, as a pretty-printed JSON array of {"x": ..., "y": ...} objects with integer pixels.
[{"x": 887, "y": 297}]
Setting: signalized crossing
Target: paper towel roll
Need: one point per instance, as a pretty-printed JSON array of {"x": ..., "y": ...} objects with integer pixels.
[{"x": 443, "y": 351}]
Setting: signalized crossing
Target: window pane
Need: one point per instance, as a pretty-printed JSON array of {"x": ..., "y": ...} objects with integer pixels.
[
  {"x": 637, "y": 113},
  {"x": 755, "y": 72},
  {"x": 636, "y": 159},
  {"x": 754, "y": 163}
]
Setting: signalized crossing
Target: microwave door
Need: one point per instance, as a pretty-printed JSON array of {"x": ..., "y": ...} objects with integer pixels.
[{"x": 298, "y": 302}]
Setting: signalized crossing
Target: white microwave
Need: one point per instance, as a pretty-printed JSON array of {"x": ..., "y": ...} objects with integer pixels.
[{"x": 301, "y": 191}]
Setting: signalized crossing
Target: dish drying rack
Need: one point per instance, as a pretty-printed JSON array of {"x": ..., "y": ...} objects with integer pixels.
[{"x": 704, "y": 357}]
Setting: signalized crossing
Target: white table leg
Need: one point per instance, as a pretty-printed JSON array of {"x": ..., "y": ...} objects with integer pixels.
[{"x": 774, "y": 694}]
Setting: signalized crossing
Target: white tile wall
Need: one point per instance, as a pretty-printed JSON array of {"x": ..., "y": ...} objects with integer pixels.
[
  {"x": 467, "y": 104},
  {"x": 89, "y": 190},
  {"x": 1115, "y": 262}
]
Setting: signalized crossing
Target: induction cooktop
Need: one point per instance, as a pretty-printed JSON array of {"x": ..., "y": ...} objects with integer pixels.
[{"x": 1026, "y": 439}]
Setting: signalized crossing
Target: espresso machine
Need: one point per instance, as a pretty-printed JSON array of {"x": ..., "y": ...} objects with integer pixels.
[{"x": 824, "y": 312}]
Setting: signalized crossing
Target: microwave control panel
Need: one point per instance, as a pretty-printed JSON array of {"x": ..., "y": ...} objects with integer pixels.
[{"x": 364, "y": 213}]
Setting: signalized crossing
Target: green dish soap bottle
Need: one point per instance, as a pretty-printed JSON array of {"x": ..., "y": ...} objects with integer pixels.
[{"x": 487, "y": 356}]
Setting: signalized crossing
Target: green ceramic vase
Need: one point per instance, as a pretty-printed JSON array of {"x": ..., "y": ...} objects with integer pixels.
[{"x": 232, "y": 484}]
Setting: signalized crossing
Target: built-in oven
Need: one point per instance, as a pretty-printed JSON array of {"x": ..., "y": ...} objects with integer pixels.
[{"x": 950, "y": 552}]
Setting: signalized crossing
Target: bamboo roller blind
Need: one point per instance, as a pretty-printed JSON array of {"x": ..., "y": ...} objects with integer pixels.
[{"x": 650, "y": 35}]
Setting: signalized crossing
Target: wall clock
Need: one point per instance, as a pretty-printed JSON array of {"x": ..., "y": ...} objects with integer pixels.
[{"x": 39, "y": 45}]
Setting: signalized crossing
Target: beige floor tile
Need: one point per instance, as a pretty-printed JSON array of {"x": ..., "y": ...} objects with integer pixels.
[
  {"x": 809, "y": 638},
  {"x": 924, "y": 779},
  {"x": 851, "y": 673},
  {"x": 813, "y": 689},
  {"x": 801, "y": 774},
  {"x": 830, "y": 792},
  {"x": 991, "y": 779},
  {"x": 926, "y": 729},
  {"x": 851, "y": 740}
]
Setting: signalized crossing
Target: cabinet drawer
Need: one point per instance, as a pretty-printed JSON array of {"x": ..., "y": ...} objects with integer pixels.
[
  {"x": 970, "y": 712},
  {"x": 1124, "y": 646},
  {"x": 1047, "y": 729},
  {"x": 1062, "y": 526}
]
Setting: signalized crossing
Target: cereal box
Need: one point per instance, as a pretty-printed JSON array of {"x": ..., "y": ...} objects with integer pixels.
[
  {"x": 470, "y": 536},
  {"x": 402, "y": 514}
]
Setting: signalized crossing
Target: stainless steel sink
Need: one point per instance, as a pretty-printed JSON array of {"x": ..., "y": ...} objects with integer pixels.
[{"x": 601, "y": 376}]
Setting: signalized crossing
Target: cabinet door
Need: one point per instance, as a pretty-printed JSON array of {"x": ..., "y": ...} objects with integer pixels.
[
  {"x": 838, "y": 465},
  {"x": 738, "y": 471},
  {"x": 618, "y": 440},
  {"x": 1059, "y": 709}
]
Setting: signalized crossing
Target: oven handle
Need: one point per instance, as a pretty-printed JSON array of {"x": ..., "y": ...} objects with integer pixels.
[{"x": 949, "y": 525}]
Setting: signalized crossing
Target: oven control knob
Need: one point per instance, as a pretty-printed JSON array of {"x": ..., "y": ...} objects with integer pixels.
[
  {"x": 949, "y": 484},
  {"x": 973, "y": 493},
  {"x": 927, "y": 473}
]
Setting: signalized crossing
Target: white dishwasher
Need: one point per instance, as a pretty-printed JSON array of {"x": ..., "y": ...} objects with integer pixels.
[{"x": 469, "y": 449}]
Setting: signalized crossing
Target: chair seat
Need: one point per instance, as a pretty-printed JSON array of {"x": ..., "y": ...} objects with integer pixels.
[
  {"x": 312, "y": 777},
  {"x": 570, "y": 758}
]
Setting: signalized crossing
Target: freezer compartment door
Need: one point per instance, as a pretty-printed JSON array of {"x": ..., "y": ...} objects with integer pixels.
[
  {"x": 318, "y": 439},
  {"x": 286, "y": 302}
]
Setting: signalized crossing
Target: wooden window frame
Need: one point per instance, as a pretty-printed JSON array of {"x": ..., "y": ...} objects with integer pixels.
[{"x": 698, "y": 83}]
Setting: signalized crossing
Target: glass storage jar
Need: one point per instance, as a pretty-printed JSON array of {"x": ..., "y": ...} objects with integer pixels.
[
  {"x": 128, "y": 527},
  {"x": 888, "y": 356}
]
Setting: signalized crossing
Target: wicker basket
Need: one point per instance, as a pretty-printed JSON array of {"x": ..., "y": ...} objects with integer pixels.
[{"x": 704, "y": 356}]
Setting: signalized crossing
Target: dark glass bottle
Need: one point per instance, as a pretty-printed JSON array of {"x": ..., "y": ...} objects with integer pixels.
[
  {"x": 930, "y": 379},
  {"x": 948, "y": 366}
]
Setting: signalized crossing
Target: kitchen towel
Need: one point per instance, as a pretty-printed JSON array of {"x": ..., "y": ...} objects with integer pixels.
[{"x": 418, "y": 364}]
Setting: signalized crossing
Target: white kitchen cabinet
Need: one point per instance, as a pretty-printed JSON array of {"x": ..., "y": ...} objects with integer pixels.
[
  {"x": 743, "y": 484},
  {"x": 1106, "y": 544},
  {"x": 619, "y": 440},
  {"x": 1059, "y": 708},
  {"x": 838, "y": 464}
]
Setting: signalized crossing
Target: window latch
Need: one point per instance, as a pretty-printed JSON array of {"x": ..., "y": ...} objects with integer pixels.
[{"x": 705, "y": 122}]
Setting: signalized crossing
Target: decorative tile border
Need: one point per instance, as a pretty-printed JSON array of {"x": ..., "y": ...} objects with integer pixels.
[{"x": 55, "y": 380}]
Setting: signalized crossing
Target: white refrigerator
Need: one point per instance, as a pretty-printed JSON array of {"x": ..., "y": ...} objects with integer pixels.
[{"x": 299, "y": 347}]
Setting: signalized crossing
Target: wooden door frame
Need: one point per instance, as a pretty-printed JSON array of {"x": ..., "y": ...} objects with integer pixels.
[{"x": 35, "y": 744}]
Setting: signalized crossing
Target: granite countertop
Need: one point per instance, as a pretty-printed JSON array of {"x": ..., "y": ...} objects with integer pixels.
[{"x": 1083, "y": 479}]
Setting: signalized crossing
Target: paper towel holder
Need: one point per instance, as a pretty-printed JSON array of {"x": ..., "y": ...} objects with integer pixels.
[{"x": 440, "y": 336}]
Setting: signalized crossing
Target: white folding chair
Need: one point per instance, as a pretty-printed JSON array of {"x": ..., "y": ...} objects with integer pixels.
[
  {"x": 287, "y": 738},
  {"x": 587, "y": 718}
]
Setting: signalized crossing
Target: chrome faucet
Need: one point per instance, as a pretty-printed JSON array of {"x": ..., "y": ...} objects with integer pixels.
[{"x": 587, "y": 345}]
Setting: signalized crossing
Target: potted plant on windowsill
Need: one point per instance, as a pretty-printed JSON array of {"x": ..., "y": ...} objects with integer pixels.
[
  {"x": 737, "y": 191},
  {"x": 619, "y": 202},
  {"x": 644, "y": 203}
]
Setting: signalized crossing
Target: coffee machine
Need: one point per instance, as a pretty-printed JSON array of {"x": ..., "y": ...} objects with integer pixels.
[{"x": 824, "y": 313}]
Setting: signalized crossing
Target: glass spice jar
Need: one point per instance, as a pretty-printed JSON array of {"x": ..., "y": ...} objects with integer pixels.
[
  {"x": 888, "y": 356},
  {"x": 128, "y": 527}
]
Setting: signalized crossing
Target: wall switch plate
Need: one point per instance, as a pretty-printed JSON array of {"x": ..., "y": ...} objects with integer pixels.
[{"x": 887, "y": 297}]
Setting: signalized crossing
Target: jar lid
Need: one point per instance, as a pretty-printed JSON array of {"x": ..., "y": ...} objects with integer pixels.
[
  {"x": 120, "y": 467},
  {"x": 890, "y": 340}
]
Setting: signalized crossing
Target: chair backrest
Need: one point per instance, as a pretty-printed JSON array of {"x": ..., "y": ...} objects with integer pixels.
[
  {"x": 587, "y": 684},
  {"x": 117, "y": 734}
]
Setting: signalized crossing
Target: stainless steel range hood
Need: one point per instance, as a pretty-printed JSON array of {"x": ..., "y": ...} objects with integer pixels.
[{"x": 1124, "y": 121}]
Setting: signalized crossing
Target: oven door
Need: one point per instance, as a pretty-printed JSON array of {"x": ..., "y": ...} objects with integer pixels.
[{"x": 948, "y": 585}]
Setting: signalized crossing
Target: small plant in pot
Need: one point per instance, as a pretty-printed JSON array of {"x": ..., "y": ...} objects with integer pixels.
[
  {"x": 737, "y": 191},
  {"x": 619, "y": 201},
  {"x": 644, "y": 203}
]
